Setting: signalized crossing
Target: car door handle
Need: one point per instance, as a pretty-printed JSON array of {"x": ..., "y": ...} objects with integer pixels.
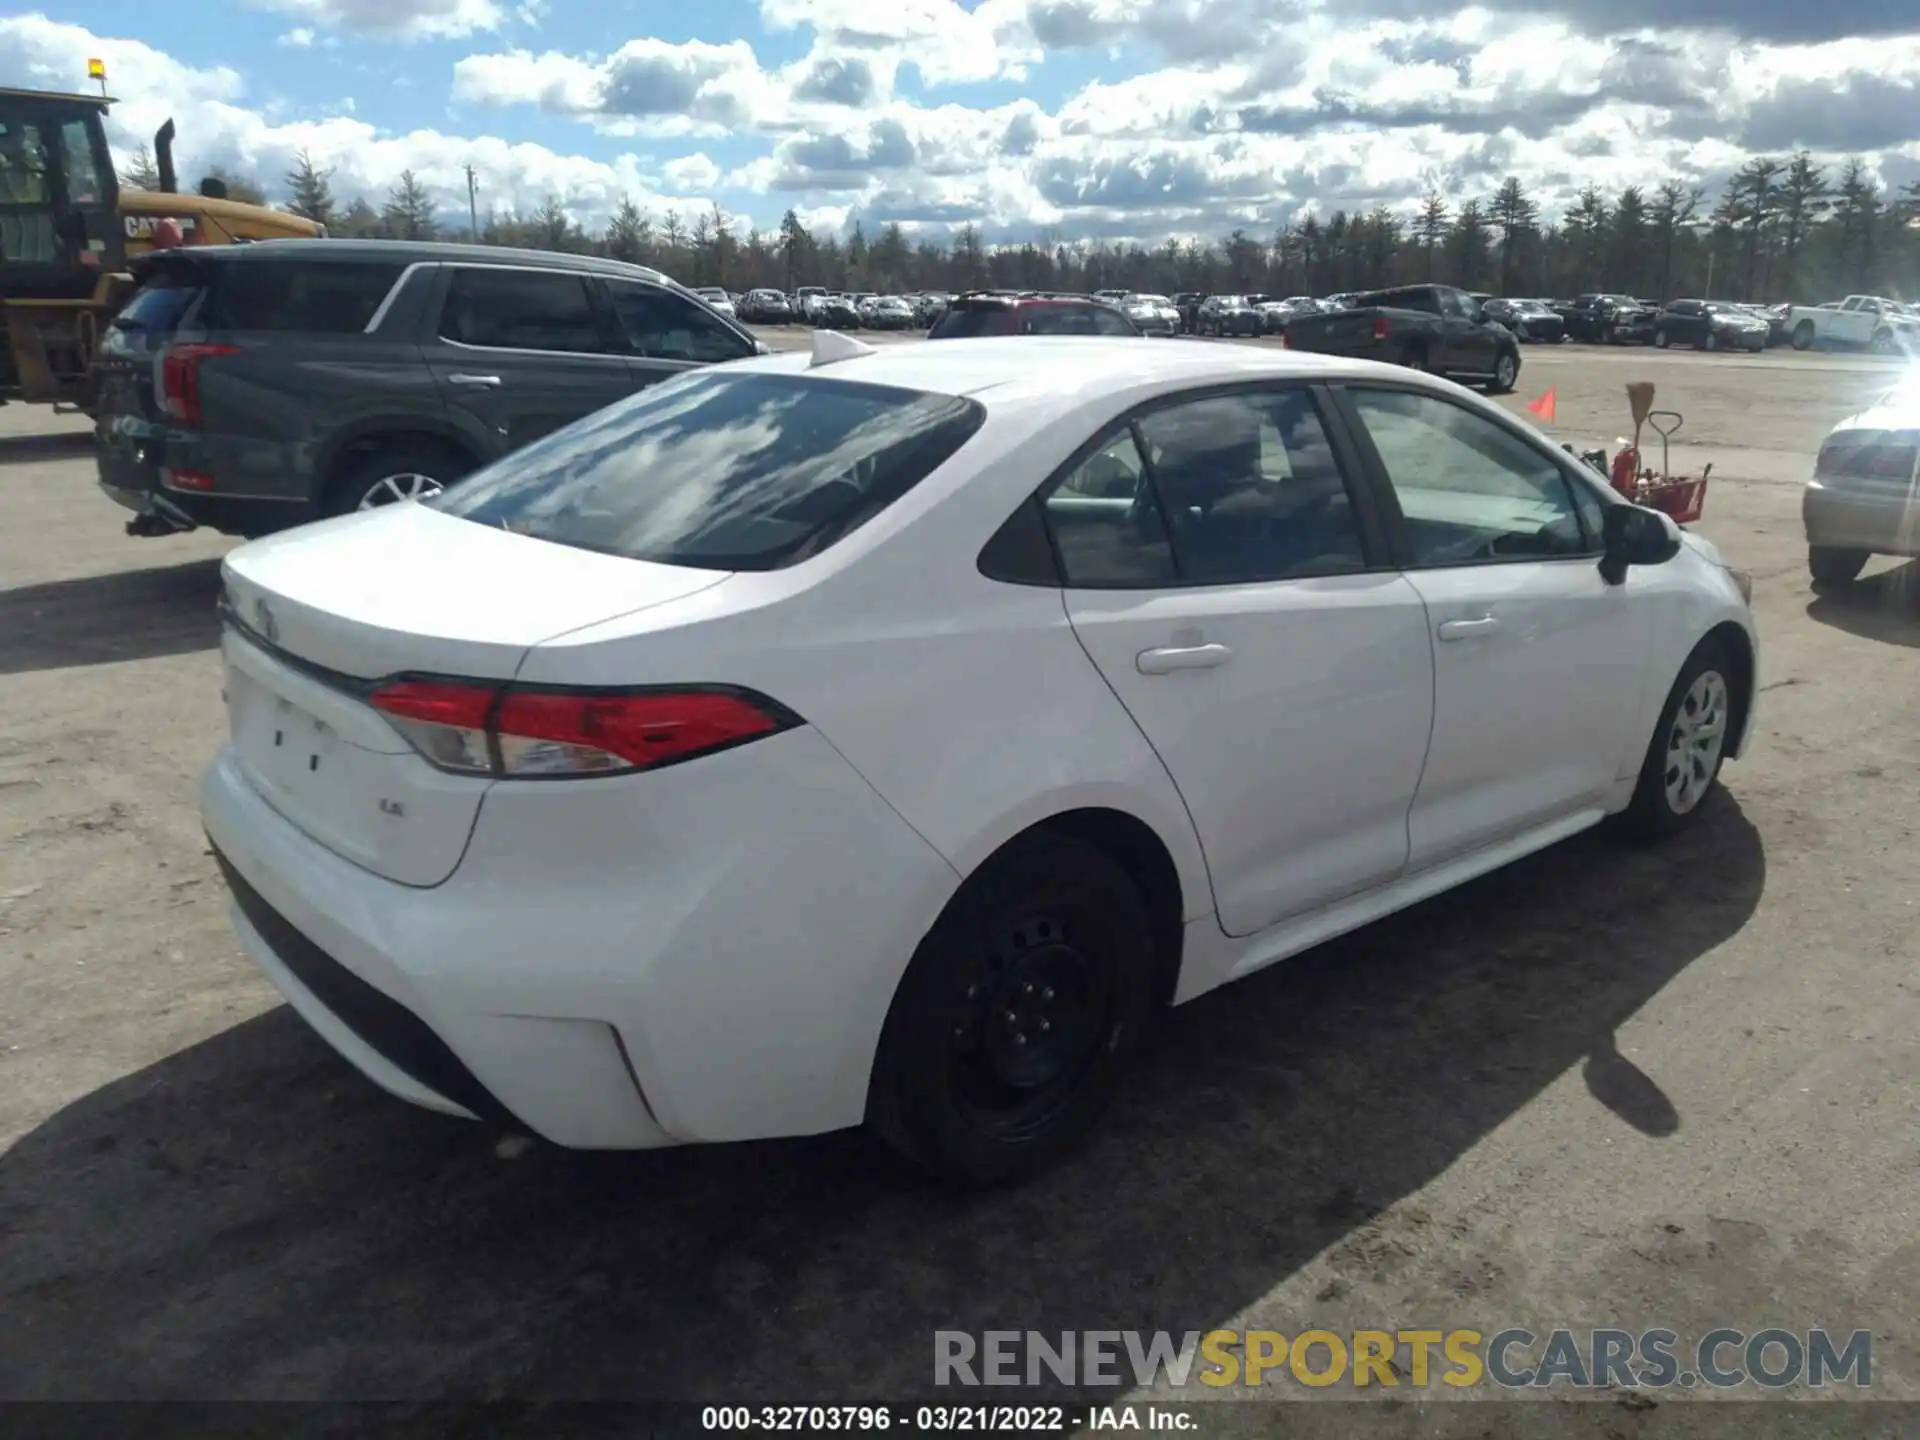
[
  {"x": 1468, "y": 629},
  {"x": 485, "y": 382},
  {"x": 1168, "y": 658}
]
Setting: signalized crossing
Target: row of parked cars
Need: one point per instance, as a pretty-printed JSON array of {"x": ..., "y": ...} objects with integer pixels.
[
  {"x": 1871, "y": 322},
  {"x": 825, "y": 309}
]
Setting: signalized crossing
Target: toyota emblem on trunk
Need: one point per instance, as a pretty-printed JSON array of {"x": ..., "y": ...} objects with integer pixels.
[{"x": 264, "y": 622}]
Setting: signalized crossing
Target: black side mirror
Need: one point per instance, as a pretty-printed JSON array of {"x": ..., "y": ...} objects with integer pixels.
[{"x": 1634, "y": 535}]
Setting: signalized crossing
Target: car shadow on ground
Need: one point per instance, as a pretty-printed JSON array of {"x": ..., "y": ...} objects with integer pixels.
[
  {"x": 248, "y": 1218},
  {"x": 102, "y": 619},
  {"x": 1883, "y": 607},
  {"x": 61, "y": 445}
]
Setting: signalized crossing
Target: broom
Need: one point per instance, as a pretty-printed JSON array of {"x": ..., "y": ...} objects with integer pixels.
[{"x": 1640, "y": 402}]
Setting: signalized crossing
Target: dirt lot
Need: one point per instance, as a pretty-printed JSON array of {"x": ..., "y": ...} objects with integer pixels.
[{"x": 1602, "y": 1088}]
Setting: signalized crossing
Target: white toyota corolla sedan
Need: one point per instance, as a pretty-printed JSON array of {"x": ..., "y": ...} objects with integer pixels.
[{"x": 886, "y": 735}]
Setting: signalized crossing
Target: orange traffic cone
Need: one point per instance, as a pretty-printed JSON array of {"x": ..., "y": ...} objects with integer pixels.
[{"x": 1545, "y": 405}]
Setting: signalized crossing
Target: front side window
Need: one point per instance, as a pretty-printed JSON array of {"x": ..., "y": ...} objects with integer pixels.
[
  {"x": 722, "y": 471},
  {"x": 1251, "y": 489},
  {"x": 524, "y": 310},
  {"x": 664, "y": 326},
  {"x": 1471, "y": 491}
]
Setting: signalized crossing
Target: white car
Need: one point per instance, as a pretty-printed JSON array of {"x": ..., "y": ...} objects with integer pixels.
[
  {"x": 1864, "y": 498},
  {"x": 1151, "y": 314},
  {"x": 717, "y": 300},
  {"x": 886, "y": 735}
]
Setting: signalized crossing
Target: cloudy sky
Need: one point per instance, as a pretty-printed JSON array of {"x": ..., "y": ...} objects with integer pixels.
[{"x": 1138, "y": 118}]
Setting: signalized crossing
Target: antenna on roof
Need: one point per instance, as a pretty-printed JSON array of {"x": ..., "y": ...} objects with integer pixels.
[{"x": 830, "y": 346}]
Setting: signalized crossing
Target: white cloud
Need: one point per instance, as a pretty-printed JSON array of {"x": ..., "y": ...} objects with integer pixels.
[
  {"x": 216, "y": 128},
  {"x": 691, "y": 173},
  {"x": 298, "y": 38},
  {"x": 1267, "y": 111},
  {"x": 394, "y": 19}
]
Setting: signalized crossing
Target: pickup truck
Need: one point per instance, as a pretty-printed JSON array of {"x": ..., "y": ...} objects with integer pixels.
[
  {"x": 1884, "y": 326},
  {"x": 1425, "y": 327}
]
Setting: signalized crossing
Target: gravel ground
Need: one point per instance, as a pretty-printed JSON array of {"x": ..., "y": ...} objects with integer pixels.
[{"x": 1604, "y": 1087}]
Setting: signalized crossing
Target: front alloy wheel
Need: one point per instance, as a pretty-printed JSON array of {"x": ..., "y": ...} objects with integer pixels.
[
  {"x": 1683, "y": 758},
  {"x": 392, "y": 489},
  {"x": 1695, "y": 739},
  {"x": 1506, "y": 372}
]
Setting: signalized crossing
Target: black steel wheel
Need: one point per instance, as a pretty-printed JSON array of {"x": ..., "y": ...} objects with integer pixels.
[{"x": 1012, "y": 1025}]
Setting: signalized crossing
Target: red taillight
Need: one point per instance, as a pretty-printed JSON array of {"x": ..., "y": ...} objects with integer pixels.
[
  {"x": 186, "y": 479},
  {"x": 512, "y": 732},
  {"x": 180, "y": 379},
  {"x": 1380, "y": 327}
]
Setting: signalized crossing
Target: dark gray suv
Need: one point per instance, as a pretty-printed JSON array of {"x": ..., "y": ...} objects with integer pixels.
[{"x": 248, "y": 388}]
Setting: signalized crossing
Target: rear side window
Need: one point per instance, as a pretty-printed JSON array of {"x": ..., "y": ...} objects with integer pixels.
[
  {"x": 525, "y": 310},
  {"x": 967, "y": 322},
  {"x": 315, "y": 297},
  {"x": 720, "y": 471}
]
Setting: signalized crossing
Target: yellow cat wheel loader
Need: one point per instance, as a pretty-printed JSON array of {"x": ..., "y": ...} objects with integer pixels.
[{"x": 69, "y": 233}]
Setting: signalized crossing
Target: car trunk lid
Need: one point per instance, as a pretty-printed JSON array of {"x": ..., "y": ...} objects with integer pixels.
[{"x": 314, "y": 617}]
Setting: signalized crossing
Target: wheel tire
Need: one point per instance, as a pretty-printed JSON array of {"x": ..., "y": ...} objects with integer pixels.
[
  {"x": 1712, "y": 342},
  {"x": 1883, "y": 343},
  {"x": 1047, "y": 905},
  {"x": 1506, "y": 373},
  {"x": 1803, "y": 335},
  {"x": 1656, "y": 811},
  {"x": 1659, "y": 339},
  {"x": 1832, "y": 567},
  {"x": 1416, "y": 359},
  {"x": 365, "y": 476}
]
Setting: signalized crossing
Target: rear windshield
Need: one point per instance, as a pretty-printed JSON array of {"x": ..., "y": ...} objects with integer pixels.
[
  {"x": 156, "y": 308},
  {"x": 962, "y": 322},
  {"x": 722, "y": 472}
]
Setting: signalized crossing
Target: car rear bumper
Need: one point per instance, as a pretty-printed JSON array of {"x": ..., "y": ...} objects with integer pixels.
[
  {"x": 725, "y": 978},
  {"x": 1882, "y": 523}
]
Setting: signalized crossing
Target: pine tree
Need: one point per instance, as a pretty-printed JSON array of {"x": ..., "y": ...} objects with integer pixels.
[
  {"x": 1674, "y": 206},
  {"x": 409, "y": 210},
  {"x": 359, "y": 222},
  {"x": 1629, "y": 239},
  {"x": 553, "y": 227},
  {"x": 795, "y": 247},
  {"x": 1431, "y": 227},
  {"x": 1753, "y": 202},
  {"x": 1513, "y": 214},
  {"x": 1803, "y": 200},
  {"x": 1586, "y": 226},
  {"x": 312, "y": 192},
  {"x": 1469, "y": 244},
  {"x": 1857, "y": 210},
  {"x": 629, "y": 233}
]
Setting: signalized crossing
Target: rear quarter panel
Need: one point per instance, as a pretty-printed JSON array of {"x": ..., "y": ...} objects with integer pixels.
[{"x": 967, "y": 703}]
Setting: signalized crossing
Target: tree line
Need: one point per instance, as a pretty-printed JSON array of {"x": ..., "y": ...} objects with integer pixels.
[{"x": 1786, "y": 228}]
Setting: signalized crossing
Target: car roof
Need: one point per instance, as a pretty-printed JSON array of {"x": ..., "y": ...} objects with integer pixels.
[
  {"x": 411, "y": 252},
  {"x": 1065, "y": 364}
]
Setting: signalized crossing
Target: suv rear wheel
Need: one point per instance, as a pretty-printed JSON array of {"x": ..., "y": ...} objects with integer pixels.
[{"x": 398, "y": 471}]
